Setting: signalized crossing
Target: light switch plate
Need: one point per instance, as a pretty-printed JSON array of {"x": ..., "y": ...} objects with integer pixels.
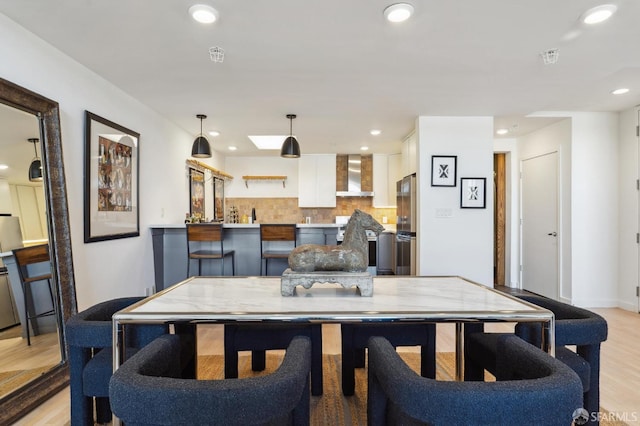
[{"x": 444, "y": 212}]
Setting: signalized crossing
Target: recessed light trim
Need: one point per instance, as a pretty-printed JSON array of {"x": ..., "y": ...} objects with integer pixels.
[
  {"x": 375, "y": 132},
  {"x": 3, "y": 167},
  {"x": 398, "y": 12},
  {"x": 203, "y": 13},
  {"x": 598, "y": 14},
  {"x": 214, "y": 133},
  {"x": 620, "y": 91},
  {"x": 502, "y": 131},
  {"x": 232, "y": 148},
  {"x": 364, "y": 148}
]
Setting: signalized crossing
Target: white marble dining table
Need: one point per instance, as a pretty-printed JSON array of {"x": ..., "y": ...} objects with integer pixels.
[{"x": 395, "y": 298}]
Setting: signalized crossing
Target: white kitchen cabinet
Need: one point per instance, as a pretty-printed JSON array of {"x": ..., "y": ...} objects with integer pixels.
[
  {"x": 395, "y": 174},
  {"x": 5, "y": 197},
  {"x": 409, "y": 155},
  {"x": 386, "y": 172},
  {"x": 29, "y": 206},
  {"x": 317, "y": 180}
]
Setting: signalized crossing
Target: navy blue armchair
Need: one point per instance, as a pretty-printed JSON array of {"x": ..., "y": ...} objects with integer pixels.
[
  {"x": 146, "y": 390},
  {"x": 574, "y": 326},
  {"x": 532, "y": 388},
  {"x": 354, "y": 339},
  {"x": 89, "y": 339},
  {"x": 260, "y": 337}
]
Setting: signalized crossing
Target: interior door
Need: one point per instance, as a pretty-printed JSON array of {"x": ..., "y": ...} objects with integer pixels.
[{"x": 540, "y": 225}]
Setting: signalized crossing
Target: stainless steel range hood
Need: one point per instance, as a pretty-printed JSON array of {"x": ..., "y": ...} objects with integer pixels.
[{"x": 354, "y": 179}]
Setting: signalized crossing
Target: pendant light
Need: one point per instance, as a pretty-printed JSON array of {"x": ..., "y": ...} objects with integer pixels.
[
  {"x": 35, "y": 169},
  {"x": 201, "y": 147},
  {"x": 290, "y": 147}
]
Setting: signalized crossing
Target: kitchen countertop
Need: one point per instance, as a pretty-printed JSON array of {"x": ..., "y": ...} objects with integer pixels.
[{"x": 252, "y": 225}]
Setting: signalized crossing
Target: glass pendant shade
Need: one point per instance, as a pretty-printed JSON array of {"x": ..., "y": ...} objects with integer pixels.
[
  {"x": 201, "y": 147},
  {"x": 290, "y": 147}
]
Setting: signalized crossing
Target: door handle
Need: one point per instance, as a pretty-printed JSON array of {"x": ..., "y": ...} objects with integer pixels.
[{"x": 553, "y": 234}]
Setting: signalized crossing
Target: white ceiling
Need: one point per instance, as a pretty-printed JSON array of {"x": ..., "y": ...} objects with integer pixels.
[{"x": 342, "y": 68}]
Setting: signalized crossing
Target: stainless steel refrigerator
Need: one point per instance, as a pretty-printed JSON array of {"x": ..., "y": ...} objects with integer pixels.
[{"x": 406, "y": 226}]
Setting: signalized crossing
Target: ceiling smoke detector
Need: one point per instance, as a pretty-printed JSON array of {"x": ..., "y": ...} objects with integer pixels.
[
  {"x": 550, "y": 57},
  {"x": 216, "y": 53}
]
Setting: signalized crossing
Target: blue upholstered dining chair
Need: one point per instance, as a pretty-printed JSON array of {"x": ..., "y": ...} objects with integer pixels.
[
  {"x": 532, "y": 388},
  {"x": 260, "y": 337},
  {"x": 146, "y": 390},
  {"x": 89, "y": 339},
  {"x": 355, "y": 336},
  {"x": 574, "y": 326}
]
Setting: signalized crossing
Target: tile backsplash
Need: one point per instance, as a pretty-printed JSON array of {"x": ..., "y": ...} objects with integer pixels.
[{"x": 286, "y": 210}]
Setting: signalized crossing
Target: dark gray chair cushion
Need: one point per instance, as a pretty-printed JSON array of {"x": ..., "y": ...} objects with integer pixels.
[
  {"x": 533, "y": 388},
  {"x": 145, "y": 390}
]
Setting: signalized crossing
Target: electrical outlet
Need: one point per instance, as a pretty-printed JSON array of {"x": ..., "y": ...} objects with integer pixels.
[{"x": 148, "y": 291}]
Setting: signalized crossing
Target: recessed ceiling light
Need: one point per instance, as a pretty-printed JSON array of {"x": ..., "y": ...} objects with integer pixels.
[
  {"x": 375, "y": 132},
  {"x": 203, "y": 13},
  {"x": 364, "y": 148},
  {"x": 232, "y": 148},
  {"x": 502, "y": 131},
  {"x": 398, "y": 12},
  {"x": 598, "y": 14},
  {"x": 214, "y": 133},
  {"x": 3, "y": 167},
  {"x": 268, "y": 141},
  {"x": 620, "y": 91}
]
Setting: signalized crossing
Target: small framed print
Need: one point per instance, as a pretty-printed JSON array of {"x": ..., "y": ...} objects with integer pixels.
[
  {"x": 196, "y": 193},
  {"x": 473, "y": 194},
  {"x": 443, "y": 170}
]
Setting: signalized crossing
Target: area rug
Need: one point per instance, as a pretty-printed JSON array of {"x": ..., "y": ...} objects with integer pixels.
[{"x": 332, "y": 408}]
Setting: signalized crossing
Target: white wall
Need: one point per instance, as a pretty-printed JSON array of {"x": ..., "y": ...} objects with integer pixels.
[
  {"x": 594, "y": 217},
  {"x": 463, "y": 243},
  {"x": 114, "y": 268},
  {"x": 628, "y": 213},
  {"x": 261, "y": 166}
]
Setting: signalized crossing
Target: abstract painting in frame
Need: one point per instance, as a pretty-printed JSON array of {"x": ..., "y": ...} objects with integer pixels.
[
  {"x": 111, "y": 198},
  {"x": 196, "y": 193},
  {"x": 473, "y": 194},
  {"x": 443, "y": 170}
]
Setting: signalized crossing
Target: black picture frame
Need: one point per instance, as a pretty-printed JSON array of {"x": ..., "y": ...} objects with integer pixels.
[
  {"x": 218, "y": 199},
  {"x": 473, "y": 193},
  {"x": 444, "y": 170},
  {"x": 196, "y": 194},
  {"x": 111, "y": 180}
]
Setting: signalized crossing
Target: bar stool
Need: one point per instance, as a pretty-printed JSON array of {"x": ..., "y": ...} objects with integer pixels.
[
  {"x": 24, "y": 258},
  {"x": 210, "y": 240},
  {"x": 271, "y": 233}
]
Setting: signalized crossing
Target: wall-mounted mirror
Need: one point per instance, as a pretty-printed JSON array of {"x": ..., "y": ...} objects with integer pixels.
[{"x": 26, "y": 395}]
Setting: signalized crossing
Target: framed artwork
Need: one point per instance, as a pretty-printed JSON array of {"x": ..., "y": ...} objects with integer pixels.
[
  {"x": 111, "y": 197},
  {"x": 443, "y": 170},
  {"x": 218, "y": 199},
  {"x": 473, "y": 193},
  {"x": 196, "y": 193}
]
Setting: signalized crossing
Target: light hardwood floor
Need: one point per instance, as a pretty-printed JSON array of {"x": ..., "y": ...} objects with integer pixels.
[{"x": 619, "y": 378}]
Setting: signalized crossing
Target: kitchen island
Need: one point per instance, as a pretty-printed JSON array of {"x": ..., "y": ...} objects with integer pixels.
[{"x": 170, "y": 250}]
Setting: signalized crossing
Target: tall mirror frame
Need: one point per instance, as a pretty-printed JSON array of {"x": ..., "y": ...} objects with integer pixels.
[{"x": 32, "y": 394}]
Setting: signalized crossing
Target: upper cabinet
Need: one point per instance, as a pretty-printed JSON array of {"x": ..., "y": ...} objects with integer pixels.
[
  {"x": 6, "y": 206},
  {"x": 409, "y": 155},
  {"x": 28, "y": 204},
  {"x": 317, "y": 180},
  {"x": 386, "y": 172}
]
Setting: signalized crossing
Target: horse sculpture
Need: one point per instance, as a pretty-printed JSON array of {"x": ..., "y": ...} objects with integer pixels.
[{"x": 350, "y": 256}]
